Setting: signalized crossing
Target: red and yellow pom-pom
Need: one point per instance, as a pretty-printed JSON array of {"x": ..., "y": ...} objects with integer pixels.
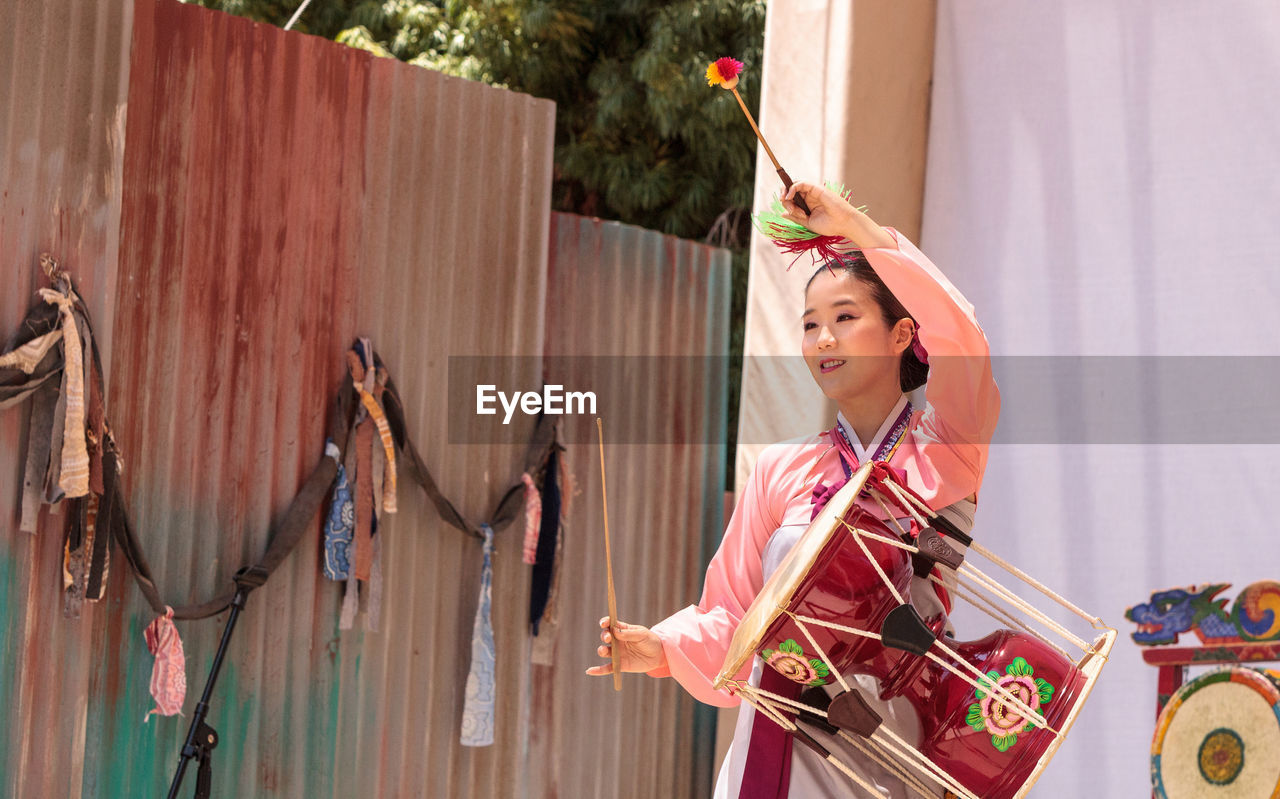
[{"x": 724, "y": 72}]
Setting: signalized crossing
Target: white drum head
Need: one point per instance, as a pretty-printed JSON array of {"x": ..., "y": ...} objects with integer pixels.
[{"x": 1219, "y": 738}]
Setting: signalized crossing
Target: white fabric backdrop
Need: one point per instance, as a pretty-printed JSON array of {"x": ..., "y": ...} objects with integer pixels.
[{"x": 1104, "y": 179}]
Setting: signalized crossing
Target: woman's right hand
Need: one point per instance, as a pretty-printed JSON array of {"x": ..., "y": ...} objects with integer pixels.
[
  {"x": 639, "y": 649},
  {"x": 833, "y": 215}
]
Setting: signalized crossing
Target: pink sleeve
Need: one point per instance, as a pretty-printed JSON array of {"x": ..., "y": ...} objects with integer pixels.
[
  {"x": 696, "y": 639},
  {"x": 962, "y": 401}
]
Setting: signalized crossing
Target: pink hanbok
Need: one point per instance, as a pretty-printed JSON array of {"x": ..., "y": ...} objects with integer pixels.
[{"x": 943, "y": 453}]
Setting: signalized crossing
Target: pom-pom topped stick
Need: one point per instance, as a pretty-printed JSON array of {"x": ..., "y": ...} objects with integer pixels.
[{"x": 724, "y": 72}]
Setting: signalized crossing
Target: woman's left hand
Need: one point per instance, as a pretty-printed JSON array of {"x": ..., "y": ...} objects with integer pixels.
[{"x": 639, "y": 649}]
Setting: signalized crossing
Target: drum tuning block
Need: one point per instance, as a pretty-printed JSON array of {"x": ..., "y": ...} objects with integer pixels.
[
  {"x": 932, "y": 549},
  {"x": 815, "y": 700},
  {"x": 948, "y": 529},
  {"x": 847, "y": 710},
  {"x": 850, "y": 712},
  {"x": 904, "y": 629}
]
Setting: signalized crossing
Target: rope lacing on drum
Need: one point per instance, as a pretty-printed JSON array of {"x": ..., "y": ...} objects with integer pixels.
[
  {"x": 980, "y": 682},
  {"x": 887, "y": 763},
  {"x": 753, "y": 696}
]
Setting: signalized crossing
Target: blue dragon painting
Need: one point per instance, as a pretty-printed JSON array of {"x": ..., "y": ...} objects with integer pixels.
[{"x": 1197, "y": 609}]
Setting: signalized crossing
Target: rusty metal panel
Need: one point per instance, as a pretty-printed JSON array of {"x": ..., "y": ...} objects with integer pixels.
[
  {"x": 64, "y": 69},
  {"x": 459, "y": 227},
  {"x": 240, "y": 210},
  {"x": 269, "y": 197},
  {"x": 284, "y": 194},
  {"x": 662, "y": 305}
]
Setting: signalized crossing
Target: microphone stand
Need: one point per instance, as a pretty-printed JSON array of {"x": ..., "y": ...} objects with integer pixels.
[{"x": 201, "y": 738}]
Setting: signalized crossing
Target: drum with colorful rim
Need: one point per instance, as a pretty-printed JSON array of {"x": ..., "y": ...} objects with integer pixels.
[
  {"x": 1219, "y": 738},
  {"x": 993, "y": 711}
]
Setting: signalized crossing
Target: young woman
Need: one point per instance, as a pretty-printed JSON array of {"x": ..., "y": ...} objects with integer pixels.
[{"x": 875, "y": 325}]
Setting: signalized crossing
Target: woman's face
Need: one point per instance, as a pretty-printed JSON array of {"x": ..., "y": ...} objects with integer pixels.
[{"x": 848, "y": 346}]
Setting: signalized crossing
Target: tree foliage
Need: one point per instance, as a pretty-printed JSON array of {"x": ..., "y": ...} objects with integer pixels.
[{"x": 640, "y": 137}]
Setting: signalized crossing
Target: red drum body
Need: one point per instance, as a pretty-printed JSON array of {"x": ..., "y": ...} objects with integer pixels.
[
  {"x": 979, "y": 741},
  {"x": 836, "y": 578},
  {"x": 842, "y": 587}
]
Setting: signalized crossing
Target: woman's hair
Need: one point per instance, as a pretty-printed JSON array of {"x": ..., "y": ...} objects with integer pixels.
[{"x": 911, "y": 372}]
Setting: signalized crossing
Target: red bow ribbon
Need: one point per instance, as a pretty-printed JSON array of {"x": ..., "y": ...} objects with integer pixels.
[{"x": 880, "y": 471}]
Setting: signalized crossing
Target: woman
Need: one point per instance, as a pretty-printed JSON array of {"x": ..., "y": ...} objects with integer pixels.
[{"x": 872, "y": 330}]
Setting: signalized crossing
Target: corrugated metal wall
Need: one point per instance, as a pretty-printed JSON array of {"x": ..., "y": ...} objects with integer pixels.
[
  {"x": 631, "y": 294},
  {"x": 64, "y": 74},
  {"x": 271, "y": 196}
]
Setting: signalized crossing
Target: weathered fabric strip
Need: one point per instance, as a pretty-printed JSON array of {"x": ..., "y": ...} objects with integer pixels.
[
  {"x": 477, "y": 710},
  {"x": 101, "y": 563},
  {"x": 356, "y": 367},
  {"x": 11, "y": 395},
  {"x": 77, "y": 555},
  {"x": 378, "y": 465},
  {"x": 373, "y": 592},
  {"x": 369, "y": 379},
  {"x": 38, "y": 438},
  {"x": 369, "y": 387},
  {"x": 96, "y": 547},
  {"x": 339, "y": 526},
  {"x": 169, "y": 672},
  {"x": 29, "y": 355},
  {"x": 388, "y": 449},
  {"x": 73, "y": 476},
  {"x": 349, "y": 463},
  {"x": 52, "y": 490},
  {"x": 74, "y": 568},
  {"x": 532, "y": 519},
  {"x": 350, "y": 605},
  {"x": 551, "y": 616},
  {"x": 95, "y": 420},
  {"x": 364, "y": 500},
  {"x": 542, "y": 579},
  {"x": 568, "y": 486}
]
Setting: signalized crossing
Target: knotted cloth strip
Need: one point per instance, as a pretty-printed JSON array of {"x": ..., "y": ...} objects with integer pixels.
[
  {"x": 169, "y": 673},
  {"x": 39, "y": 438},
  {"x": 360, "y": 378},
  {"x": 477, "y": 711},
  {"x": 532, "y": 518},
  {"x": 77, "y": 555},
  {"x": 339, "y": 525},
  {"x": 73, "y": 476},
  {"x": 29, "y": 355},
  {"x": 364, "y": 500},
  {"x": 545, "y": 576}
]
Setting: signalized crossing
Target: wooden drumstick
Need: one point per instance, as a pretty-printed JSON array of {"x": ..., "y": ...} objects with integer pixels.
[
  {"x": 724, "y": 72},
  {"x": 782, "y": 173},
  {"x": 608, "y": 565}
]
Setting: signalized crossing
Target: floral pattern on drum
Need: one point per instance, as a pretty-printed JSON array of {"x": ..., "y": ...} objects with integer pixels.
[
  {"x": 791, "y": 662},
  {"x": 991, "y": 714}
]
